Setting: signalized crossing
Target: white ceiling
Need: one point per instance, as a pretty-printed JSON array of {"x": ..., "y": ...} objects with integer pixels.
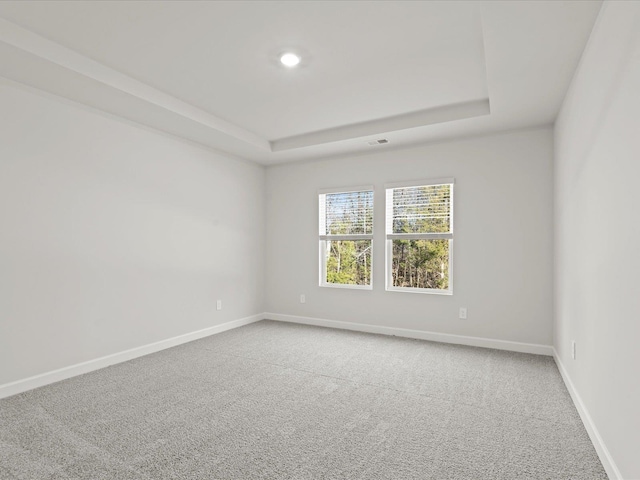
[{"x": 410, "y": 72}]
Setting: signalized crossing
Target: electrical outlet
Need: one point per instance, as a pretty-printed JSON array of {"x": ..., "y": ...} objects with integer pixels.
[
  {"x": 463, "y": 313},
  {"x": 573, "y": 349},
  {"x": 303, "y": 299},
  {"x": 219, "y": 305}
]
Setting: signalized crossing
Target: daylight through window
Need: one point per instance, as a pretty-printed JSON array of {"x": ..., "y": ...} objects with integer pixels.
[
  {"x": 346, "y": 237},
  {"x": 419, "y": 236}
]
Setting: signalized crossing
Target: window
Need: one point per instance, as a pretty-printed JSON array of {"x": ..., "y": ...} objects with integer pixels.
[
  {"x": 419, "y": 236},
  {"x": 346, "y": 237}
]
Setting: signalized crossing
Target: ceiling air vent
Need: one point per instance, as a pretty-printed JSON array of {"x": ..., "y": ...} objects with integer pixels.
[{"x": 380, "y": 141}]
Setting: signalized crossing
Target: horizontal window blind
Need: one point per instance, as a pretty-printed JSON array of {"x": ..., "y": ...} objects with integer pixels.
[
  {"x": 346, "y": 214},
  {"x": 422, "y": 209}
]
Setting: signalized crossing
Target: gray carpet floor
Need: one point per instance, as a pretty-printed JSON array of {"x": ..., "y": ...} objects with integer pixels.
[{"x": 281, "y": 401}]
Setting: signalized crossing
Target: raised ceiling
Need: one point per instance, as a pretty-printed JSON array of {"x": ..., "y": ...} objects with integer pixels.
[{"x": 410, "y": 72}]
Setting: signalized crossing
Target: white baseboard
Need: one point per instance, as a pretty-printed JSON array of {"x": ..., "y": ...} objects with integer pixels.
[
  {"x": 419, "y": 334},
  {"x": 602, "y": 450},
  {"x": 36, "y": 381}
]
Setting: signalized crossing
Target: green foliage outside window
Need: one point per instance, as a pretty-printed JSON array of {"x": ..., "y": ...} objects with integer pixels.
[
  {"x": 415, "y": 262},
  {"x": 421, "y": 263},
  {"x": 348, "y": 262}
]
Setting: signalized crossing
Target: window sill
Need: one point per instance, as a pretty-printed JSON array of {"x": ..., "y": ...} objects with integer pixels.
[
  {"x": 346, "y": 285},
  {"x": 429, "y": 291}
]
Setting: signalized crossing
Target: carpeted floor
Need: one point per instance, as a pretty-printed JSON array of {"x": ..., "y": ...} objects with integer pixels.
[{"x": 281, "y": 401}]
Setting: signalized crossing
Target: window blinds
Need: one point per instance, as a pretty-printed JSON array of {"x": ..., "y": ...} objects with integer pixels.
[
  {"x": 346, "y": 213},
  {"x": 422, "y": 209}
]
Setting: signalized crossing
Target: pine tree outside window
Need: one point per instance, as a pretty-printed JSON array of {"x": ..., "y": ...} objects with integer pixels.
[
  {"x": 346, "y": 237},
  {"x": 419, "y": 236}
]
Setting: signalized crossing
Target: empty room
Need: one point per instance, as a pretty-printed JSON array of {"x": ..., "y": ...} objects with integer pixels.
[{"x": 319, "y": 240}]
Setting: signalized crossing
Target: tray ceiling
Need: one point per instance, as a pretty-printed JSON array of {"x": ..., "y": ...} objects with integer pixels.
[{"x": 208, "y": 71}]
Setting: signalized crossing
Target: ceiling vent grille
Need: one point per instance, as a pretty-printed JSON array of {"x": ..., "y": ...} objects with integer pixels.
[{"x": 380, "y": 141}]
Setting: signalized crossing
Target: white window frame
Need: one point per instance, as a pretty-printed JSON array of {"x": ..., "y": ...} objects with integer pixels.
[
  {"x": 323, "y": 239},
  {"x": 390, "y": 236}
]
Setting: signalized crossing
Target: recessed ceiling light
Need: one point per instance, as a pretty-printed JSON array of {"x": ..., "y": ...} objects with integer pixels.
[{"x": 289, "y": 59}]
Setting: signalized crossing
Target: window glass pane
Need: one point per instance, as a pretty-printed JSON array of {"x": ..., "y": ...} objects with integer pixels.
[
  {"x": 421, "y": 263},
  {"x": 348, "y": 213},
  {"x": 349, "y": 262},
  {"x": 425, "y": 209}
]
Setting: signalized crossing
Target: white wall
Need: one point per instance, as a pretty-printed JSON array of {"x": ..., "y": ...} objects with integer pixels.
[
  {"x": 502, "y": 266},
  {"x": 597, "y": 235},
  {"x": 113, "y": 236}
]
